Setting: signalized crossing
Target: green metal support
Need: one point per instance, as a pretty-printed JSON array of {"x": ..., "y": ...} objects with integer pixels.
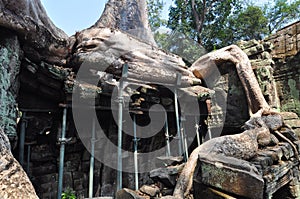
[
  {"x": 167, "y": 136},
  {"x": 28, "y": 158},
  {"x": 92, "y": 159},
  {"x": 22, "y": 138},
  {"x": 135, "y": 140},
  {"x": 184, "y": 139},
  {"x": 197, "y": 130},
  {"x": 178, "y": 83},
  {"x": 120, "y": 123},
  {"x": 62, "y": 141}
]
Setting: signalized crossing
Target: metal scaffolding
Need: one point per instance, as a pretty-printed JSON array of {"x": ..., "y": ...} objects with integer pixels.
[
  {"x": 120, "y": 123},
  {"x": 135, "y": 154},
  {"x": 62, "y": 142},
  {"x": 22, "y": 138},
  {"x": 178, "y": 83},
  {"x": 167, "y": 135},
  {"x": 92, "y": 159}
]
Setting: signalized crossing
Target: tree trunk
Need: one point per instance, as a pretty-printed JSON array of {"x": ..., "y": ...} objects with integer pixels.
[
  {"x": 14, "y": 182},
  {"x": 40, "y": 37},
  {"x": 118, "y": 37},
  {"x": 24, "y": 24},
  {"x": 198, "y": 19},
  {"x": 109, "y": 48},
  {"x": 130, "y": 16},
  {"x": 203, "y": 68}
]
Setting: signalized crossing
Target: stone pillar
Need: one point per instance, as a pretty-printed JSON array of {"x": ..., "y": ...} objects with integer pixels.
[{"x": 10, "y": 61}]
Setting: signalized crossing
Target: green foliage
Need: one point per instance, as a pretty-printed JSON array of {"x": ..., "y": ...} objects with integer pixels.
[
  {"x": 213, "y": 19},
  {"x": 161, "y": 39},
  {"x": 178, "y": 19},
  {"x": 68, "y": 194},
  {"x": 249, "y": 24},
  {"x": 175, "y": 41},
  {"x": 217, "y": 23},
  {"x": 155, "y": 8},
  {"x": 281, "y": 13}
]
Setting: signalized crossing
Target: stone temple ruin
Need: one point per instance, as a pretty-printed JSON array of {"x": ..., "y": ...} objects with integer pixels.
[{"x": 60, "y": 102}]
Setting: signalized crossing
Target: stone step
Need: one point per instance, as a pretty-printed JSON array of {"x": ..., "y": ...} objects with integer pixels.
[{"x": 166, "y": 176}]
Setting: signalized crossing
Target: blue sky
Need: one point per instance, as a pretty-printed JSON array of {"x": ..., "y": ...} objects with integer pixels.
[{"x": 75, "y": 15}]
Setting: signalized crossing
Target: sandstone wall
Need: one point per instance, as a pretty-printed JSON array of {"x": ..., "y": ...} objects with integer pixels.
[
  {"x": 287, "y": 76},
  {"x": 44, "y": 173},
  {"x": 287, "y": 66},
  {"x": 286, "y": 41}
]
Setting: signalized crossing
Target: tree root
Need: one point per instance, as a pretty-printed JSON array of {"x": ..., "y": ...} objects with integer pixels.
[
  {"x": 201, "y": 69},
  {"x": 256, "y": 102}
]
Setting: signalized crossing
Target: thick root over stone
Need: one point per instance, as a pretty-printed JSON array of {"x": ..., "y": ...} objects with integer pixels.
[{"x": 256, "y": 103}]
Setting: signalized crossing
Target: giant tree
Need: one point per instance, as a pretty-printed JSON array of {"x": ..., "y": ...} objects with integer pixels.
[
  {"x": 155, "y": 8},
  {"x": 202, "y": 20},
  {"x": 281, "y": 12},
  {"x": 249, "y": 24},
  {"x": 122, "y": 35}
]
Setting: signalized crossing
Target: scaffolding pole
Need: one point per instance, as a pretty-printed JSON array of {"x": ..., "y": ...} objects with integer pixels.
[
  {"x": 178, "y": 83},
  {"x": 22, "y": 138},
  {"x": 135, "y": 140},
  {"x": 120, "y": 118},
  {"x": 120, "y": 123},
  {"x": 184, "y": 139},
  {"x": 28, "y": 158},
  {"x": 92, "y": 159},
  {"x": 197, "y": 127},
  {"x": 62, "y": 141},
  {"x": 209, "y": 130},
  {"x": 167, "y": 136}
]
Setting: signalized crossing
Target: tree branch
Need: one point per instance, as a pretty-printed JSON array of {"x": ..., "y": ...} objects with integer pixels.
[{"x": 211, "y": 6}]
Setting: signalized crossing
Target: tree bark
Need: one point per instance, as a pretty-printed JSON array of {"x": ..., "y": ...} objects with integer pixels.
[
  {"x": 25, "y": 29},
  {"x": 107, "y": 50},
  {"x": 113, "y": 41},
  {"x": 198, "y": 19},
  {"x": 41, "y": 38},
  {"x": 130, "y": 16}
]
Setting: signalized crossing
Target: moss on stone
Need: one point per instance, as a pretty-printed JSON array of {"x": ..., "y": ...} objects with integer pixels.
[{"x": 10, "y": 54}]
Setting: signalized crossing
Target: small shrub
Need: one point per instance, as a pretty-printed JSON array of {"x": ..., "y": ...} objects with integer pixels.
[{"x": 68, "y": 194}]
